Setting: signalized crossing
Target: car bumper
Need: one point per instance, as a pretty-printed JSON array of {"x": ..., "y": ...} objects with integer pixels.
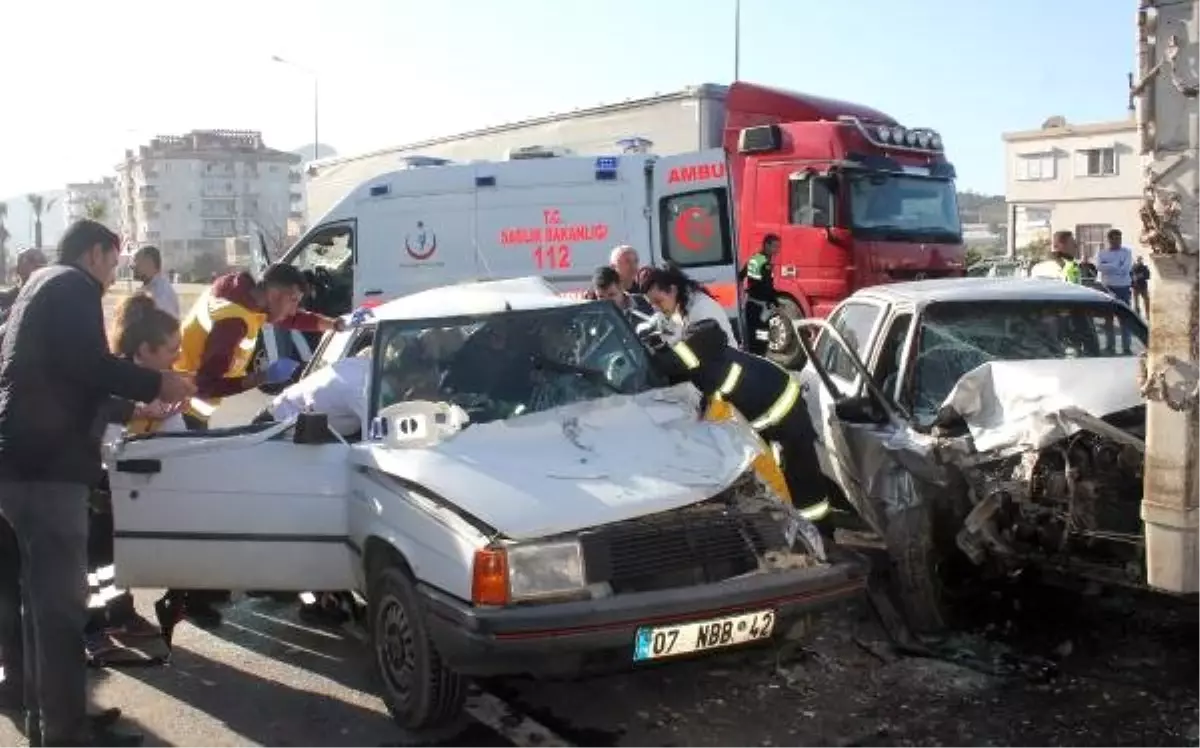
[{"x": 572, "y": 638}]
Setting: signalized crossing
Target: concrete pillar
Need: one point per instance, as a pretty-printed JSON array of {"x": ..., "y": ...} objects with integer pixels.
[{"x": 1168, "y": 122}]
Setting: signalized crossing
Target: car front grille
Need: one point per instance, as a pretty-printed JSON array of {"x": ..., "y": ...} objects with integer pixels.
[{"x": 698, "y": 544}]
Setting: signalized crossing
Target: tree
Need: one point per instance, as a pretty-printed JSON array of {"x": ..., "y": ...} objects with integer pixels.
[
  {"x": 1038, "y": 249},
  {"x": 39, "y": 205},
  {"x": 973, "y": 256},
  {"x": 4, "y": 235},
  {"x": 96, "y": 210}
]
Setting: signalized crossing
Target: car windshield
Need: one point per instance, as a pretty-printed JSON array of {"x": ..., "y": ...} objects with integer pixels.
[
  {"x": 957, "y": 337},
  {"x": 509, "y": 364},
  {"x": 904, "y": 207}
]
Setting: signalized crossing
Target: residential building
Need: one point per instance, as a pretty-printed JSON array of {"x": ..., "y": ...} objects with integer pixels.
[
  {"x": 96, "y": 200},
  {"x": 1085, "y": 178},
  {"x": 186, "y": 194}
]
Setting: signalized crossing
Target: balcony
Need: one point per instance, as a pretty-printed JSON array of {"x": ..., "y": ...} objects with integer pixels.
[
  {"x": 147, "y": 191},
  {"x": 294, "y": 178}
]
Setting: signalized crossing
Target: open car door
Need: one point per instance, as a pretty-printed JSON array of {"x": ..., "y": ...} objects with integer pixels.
[
  {"x": 866, "y": 441},
  {"x": 245, "y": 508}
]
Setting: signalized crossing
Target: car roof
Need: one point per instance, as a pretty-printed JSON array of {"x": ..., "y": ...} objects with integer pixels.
[
  {"x": 465, "y": 299},
  {"x": 980, "y": 289}
]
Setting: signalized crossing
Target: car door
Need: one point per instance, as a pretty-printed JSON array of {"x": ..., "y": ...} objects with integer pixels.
[
  {"x": 235, "y": 509},
  {"x": 856, "y": 320}
]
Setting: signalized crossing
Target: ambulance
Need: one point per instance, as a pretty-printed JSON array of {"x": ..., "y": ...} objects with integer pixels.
[{"x": 539, "y": 212}]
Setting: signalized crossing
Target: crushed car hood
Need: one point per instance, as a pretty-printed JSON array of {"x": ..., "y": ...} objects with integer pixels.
[
  {"x": 1031, "y": 404},
  {"x": 580, "y": 465}
]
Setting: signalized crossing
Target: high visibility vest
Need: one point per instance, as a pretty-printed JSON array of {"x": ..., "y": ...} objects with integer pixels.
[
  {"x": 774, "y": 413},
  {"x": 765, "y": 464},
  {"x": 1070, "y": 271},
  {"x": 197, "y": 324}
]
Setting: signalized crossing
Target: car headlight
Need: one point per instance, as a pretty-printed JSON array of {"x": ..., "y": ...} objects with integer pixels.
[{"x": 543, "y": 570}]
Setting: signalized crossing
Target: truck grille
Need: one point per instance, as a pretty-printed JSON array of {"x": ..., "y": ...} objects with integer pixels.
[{"x": 699, "y": 544}]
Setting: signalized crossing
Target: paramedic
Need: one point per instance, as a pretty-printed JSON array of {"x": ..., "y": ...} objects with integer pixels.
[
  {"x": 759, "y": 273},
  {"x": 1062, "y": 264},
  {"x": 606, "y": 284},
  {"x": 56, "y": 374},
  {"x": 221, "y": 331},
  {"x": 682, "y": 301},
  {"x": 766, "y": 394},
  {"x": 148, "y": 336},
  {"x": 28, "y": 260}
]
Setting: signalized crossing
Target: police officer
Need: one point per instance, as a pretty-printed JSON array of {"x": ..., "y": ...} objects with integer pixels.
[
  {"x": 759, "y": 273},
  {"x": 766, "y": 394}
]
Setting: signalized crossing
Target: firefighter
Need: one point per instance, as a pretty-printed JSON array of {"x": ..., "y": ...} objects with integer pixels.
[
  {"x": 766, "y": 394},
  {"x": 759, "y": 274}
]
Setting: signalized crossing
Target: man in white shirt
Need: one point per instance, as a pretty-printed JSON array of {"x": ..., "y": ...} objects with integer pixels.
[
  {"x": 147, "y": 267},
  {"x": 338, "y": 390},
  {"x": 1115, "y": 265}
]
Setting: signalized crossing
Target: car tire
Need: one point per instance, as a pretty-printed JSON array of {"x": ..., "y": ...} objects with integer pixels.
[
  {"x": 917, "y": 568},
  {"x": 789, "y": 354},
  {"x": 421, "y": 693}
]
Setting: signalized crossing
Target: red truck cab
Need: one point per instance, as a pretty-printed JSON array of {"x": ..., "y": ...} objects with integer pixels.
[{"x": 855, "y": 199}]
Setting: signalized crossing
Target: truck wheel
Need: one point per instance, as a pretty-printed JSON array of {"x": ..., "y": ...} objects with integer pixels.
[
  {"x": 783, "y": 342},
  {"x": 917, "y": 568},
  {"x": 422, "y": 695}
]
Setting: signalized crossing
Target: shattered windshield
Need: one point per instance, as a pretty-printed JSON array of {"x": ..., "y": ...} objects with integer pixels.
[
  {"x": 957, "y": 337},
  {"x": 509, "y": 364},
  {"x": 904, "y": 207}
]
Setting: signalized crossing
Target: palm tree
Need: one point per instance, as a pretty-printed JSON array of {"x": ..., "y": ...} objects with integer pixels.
[
  {"x": 3, "y": 243},
  {"x": 39, "y": 205}
]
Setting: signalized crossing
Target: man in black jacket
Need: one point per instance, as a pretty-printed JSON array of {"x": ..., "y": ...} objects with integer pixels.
[{"x": 56, "y": 373}]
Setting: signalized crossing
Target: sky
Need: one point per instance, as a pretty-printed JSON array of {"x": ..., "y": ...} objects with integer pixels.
[{"x": 82, "y": 80}]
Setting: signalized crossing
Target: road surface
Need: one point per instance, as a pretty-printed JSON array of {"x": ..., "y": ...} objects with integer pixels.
[{"x": 1061, "y": 669}]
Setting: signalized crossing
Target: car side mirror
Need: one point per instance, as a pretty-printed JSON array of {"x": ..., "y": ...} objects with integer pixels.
[{"x": 860, "y": 409}]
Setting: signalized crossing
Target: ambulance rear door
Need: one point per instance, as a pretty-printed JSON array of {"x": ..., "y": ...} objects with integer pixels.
[
  {"x": 559, "y": 217},
  {"x": 415, "y": 231},
  {"x": 693, "y": 222}
]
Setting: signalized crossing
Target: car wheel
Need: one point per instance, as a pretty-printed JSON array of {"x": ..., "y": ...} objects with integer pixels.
[
  {"x": 422, "y": 695},
  {"x": 918, "y": 565},
  {"x": 783, "y": 342}
]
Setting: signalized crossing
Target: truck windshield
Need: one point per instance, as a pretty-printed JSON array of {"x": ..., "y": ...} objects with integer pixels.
[
  {"x": 957, "y": 337},
  {"x": 904, "y": 207},
  {"x": 505, "y": 365}
]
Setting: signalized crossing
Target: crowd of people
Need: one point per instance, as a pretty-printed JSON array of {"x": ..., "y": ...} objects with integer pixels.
[{"x": 1115, "y": 270}]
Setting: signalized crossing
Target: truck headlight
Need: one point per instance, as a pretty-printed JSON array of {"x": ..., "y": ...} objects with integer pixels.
[{"x": 545, "y": 570}]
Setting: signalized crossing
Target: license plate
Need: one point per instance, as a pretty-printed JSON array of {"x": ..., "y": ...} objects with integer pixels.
[{"x": 656, "y": 642}]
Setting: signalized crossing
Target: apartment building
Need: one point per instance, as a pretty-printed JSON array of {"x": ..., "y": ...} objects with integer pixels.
[
  {"x": 97, "y": 200},
  {"x": 1085, "y": 178},
  {"x": 186, "y": 194}
]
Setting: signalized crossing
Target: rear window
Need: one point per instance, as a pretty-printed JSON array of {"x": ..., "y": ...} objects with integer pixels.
[{"x": 695, "y": 228}]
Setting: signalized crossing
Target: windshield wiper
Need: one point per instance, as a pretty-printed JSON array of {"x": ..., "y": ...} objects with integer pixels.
[{"x": 592, "y": 375}]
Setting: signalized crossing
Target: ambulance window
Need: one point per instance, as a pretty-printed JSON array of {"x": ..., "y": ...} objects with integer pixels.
[{"x": 695, "y": 229}]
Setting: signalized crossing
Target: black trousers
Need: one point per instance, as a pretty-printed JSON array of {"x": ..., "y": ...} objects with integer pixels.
[
  {"x": 12, "y": 645},
  {"x": 754, "y": 313}
]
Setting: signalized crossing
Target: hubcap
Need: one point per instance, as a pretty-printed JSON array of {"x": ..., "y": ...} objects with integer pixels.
[
  {"x": 779, "y": 334},
  {"x": 394, "y": 648}
]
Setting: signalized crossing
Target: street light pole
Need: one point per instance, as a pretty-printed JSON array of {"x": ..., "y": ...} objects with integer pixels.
[
  {"x": 737, "y": 38},
  {"x": 316, "y": 99}
]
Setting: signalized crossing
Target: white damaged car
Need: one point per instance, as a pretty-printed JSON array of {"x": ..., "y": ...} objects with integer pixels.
[{"x": 527, "y": 498}]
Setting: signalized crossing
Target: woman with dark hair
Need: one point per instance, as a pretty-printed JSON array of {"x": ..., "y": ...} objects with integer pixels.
[
  {"x": 149, "y": 337},
  {"x": 682, "y": 301}
]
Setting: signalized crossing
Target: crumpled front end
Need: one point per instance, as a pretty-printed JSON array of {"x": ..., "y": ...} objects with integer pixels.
[{"x": 1051, "y": 463}]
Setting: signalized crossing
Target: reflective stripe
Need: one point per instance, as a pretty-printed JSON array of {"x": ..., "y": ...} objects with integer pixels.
[
  {"x": 686, "y": 355},
  {"x": 731, "y": 380},
  {"x": 203, "y": 409},
  {"x": 779, "y": 410},
  {"x": 815, "y": 512},
  {"x": 248, "y": 344},
  {"x": 105, "y": 573},
  {"x": 103, "y": 597}
]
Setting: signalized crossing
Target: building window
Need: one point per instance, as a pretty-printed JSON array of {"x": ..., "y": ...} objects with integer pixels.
[
  {"x": 1035, "y": 167},
  {"x": 1096, "y": 162},
  {"x": 1091, "y": 238}
]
